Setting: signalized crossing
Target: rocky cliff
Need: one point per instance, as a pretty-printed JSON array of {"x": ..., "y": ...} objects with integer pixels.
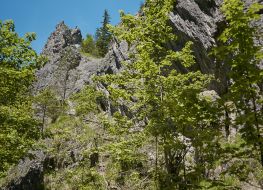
[
  {"x": 64, "y": 38},
  {"x": 197, "y": 20},
  {"x": 192, "y": 20},
  {"x": 28, "y": 174}
]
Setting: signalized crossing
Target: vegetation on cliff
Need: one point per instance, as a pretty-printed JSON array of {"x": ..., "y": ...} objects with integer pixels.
[
  {"x": 156, "y": 124},
  {"x": 18, "y": 127},
  {"x": 98, "y": 46}
]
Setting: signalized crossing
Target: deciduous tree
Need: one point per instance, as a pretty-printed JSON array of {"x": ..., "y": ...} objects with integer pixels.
[{"x": 18, "y": 61}]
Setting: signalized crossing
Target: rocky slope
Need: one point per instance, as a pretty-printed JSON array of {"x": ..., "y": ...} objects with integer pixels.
[
  {"x": 81, "y": 73},
  {"x": 28, "y": 174},
  {"x": 197, "y": 20}
]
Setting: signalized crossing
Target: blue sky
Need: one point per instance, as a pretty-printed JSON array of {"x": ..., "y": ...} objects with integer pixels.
[{"x": 41, "y": 16}]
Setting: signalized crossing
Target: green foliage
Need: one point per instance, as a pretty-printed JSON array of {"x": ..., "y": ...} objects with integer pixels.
[
  {"x": 87, "y": 101},
  {"x": 18, "y": 61},
  {"x": 103, "y": 36},
  {"x": 18, "y": 132},
  {"x": 68, "y": 133},
  {"x": 243, "y": 56},
  {"x": 89, "y": 46},
  {"x": 82, "y": 178},
  {"x": 167, "y": 101},
  {"x": 98, "y": 47},
  {"x": 17, "y": 65},
  {"x": 165, "y": 127},
  {"x": 238, "y": 50},
  {"x": 70, "y": 149},
  {"x": 47, "y": 105}
]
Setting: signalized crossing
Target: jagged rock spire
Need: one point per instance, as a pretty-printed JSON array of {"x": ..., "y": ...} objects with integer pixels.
[{"x": 62, "y": 37}]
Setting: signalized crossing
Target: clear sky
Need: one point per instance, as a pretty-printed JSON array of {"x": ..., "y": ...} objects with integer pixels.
[{"x": 41, "y": 16}]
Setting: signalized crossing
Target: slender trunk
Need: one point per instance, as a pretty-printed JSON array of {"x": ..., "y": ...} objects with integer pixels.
[
  {"x": 156, "y": 141},
  {"x": 156, "y": 163},
  {"x": 185, "y": 183},
  {"x": 64, "y": 91},
  {"x": 260, "y": 144},
  {"x": 65, "y": 86},
  {"x": 184, "y": 161},
  {"x": 94, "y": 157},
  {"x": 43, "y": 122},
  {"x": 227, "y": 121},
  {"x": 166, "y": 160},
  {"x": 259, "y": 138}
]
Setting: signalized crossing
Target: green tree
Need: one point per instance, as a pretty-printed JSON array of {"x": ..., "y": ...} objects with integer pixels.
[
  {"x": 87, "y": 101},
  {"x": 238, "y": 50},
  {"x": 103, "y": 35},
  {"x": 72, "y": 141},
  {"x": 70, "y": 59},
  {"x": 89, "y": 46},
  {"x": 18, "y": 128},
  {"x": 175, "y": 117},
  {"x": 47, "y": 105}
]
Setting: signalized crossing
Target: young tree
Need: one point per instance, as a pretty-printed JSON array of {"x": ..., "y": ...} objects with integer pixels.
[
  {"x": 239, "y": 51},
  {"x": 87, "y": 101},
  {"x": 89, "y": 46},
  {"x": 166, "y": 100},
  {"x": 103, "y": 35},
  {"x": 47, "y": 105},
  {"x": 70, "y": 59},
  {"x": 18, "y": 128}
]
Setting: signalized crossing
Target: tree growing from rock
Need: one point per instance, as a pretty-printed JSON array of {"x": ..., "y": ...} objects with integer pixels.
[
  {"x": 47, "y": 105},
  {"x": 89, "y": 46},
  {"x": 69, "y": 60},
  {"x": 176, "y": 118},
  {"x": 238, "y": 50},
  {"x": 103, "y": 35}
]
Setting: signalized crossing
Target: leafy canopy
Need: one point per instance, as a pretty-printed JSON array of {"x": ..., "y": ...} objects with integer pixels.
[
  {"x": 164, "y": 102},
  {"x": 18, "y": 61}
]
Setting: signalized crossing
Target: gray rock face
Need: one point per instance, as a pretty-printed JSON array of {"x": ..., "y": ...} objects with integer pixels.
[
  {"x": 61, "y": 38},
  {"x": 28, "y": 174},
  {"x": 64, "y": 38},
  {"x": 196, "y": 20},
  {"x": 199, "y": 21}
]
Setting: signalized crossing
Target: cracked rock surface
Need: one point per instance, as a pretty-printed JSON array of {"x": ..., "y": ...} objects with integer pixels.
[{"x": 199, "y": 21}]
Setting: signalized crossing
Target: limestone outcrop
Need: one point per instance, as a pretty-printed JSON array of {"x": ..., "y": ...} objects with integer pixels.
[{"x": 199, "y": 21}]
